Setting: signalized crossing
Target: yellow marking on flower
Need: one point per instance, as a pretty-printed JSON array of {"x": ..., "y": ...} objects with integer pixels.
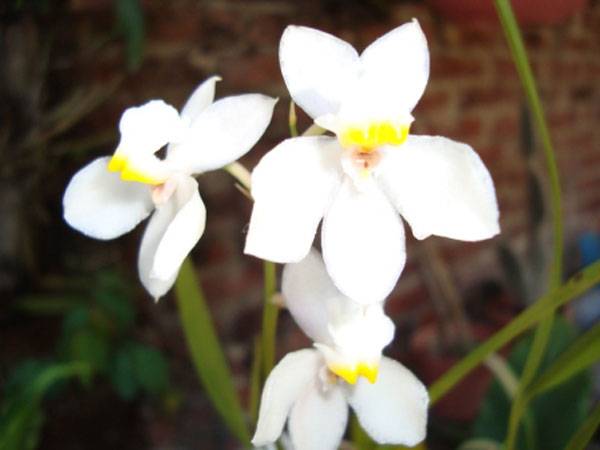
[
  {"x": 369, "y": 371},
  {"x": 350, "y": 373},
  {"x": 117, "y": 163},
  {"x": 374, "y": 135},
  {"x": 129, "y": 172}
]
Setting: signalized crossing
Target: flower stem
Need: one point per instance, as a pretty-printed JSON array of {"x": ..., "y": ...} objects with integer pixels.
[
  {"x": 269, "y": 320},
  {"x": 293, "y": 120},
  {"x": 542, "y": 333}
]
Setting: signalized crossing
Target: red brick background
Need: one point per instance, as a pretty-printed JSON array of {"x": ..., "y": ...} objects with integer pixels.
[{"x": 474, "y": 95}]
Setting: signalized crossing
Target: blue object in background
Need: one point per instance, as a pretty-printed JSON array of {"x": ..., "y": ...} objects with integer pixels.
[{"x": 587, "y": 308}]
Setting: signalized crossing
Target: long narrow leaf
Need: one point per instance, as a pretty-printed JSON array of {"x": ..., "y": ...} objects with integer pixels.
[
  {"x": 584, "y": 435},
  {"x": 579, "y": 356},
  {"x": 544, "y": 306},
  {"x": 542, "y": 333},
  {"x": 207, "y": 355}
]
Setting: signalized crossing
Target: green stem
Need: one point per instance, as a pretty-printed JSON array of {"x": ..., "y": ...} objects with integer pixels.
[
  {"x": 293, "y": 120},
  {"x": 542, "y": 333},
  {"x": 543, "y": 307},
  {"x": 206, "y": 352},
  {"x": 269, "y": 320},
  {"x": 255, "y": 377},
  {"x": 240, "y": 173}
]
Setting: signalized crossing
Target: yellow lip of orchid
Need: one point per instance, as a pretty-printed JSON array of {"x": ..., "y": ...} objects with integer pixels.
[
  {"x": 350, "y": 373},
  {"x": 374, "y": 134},
  {"x": 130, "y": 171}
]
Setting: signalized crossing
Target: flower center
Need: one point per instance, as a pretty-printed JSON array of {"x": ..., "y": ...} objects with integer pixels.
[
  {"x": 351, "y": 372},
  {"x": 372, "y": 135}
]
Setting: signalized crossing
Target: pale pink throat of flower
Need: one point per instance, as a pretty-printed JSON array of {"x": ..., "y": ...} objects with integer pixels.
[{"x": 361, "y": 143}]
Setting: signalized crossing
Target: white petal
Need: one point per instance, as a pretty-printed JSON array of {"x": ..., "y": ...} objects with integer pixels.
[
  {"x": 171, "y": 234},
  {"x": 283, "y": 387},
  {"x": 441, "y": 188},
  {"x": 200, "y": 99},
  {"x": 311, "y": 297},
  {"x": 318, "y": 68},
  {"x": 145, "y": 129},
  {"x": 361, "y": 334},
  {"x": 396, "y": 68},
  {"x": 363, "y": 243},
  {"x": 101, "y": 205},
  {"x": 222, "y": 133},
  {"x": 292, "y": 187},
  {"x": 394, "y": 409},
  {"x": 318, "y": 419}
]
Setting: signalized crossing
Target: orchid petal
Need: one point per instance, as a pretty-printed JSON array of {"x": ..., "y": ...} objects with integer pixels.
[
  {"x": 319, "y": 69},
  {"x": 171, "y": 234},
  {"x": 363, "y": 243},
  {"x": 292, "y": 187},
  {"x": 441, "y": 188},
  {"x": 311, "y": 297},
  {"x": 318, "y": 418},
  {"x": 395, "y": 69},
  {"x": 101, "y": 205},
  {"x": 200, "y": 99},
  {"x": 284, "y": 385},
  {"x": 394, "y": 409},
  {"x": 222, "y": 133}
]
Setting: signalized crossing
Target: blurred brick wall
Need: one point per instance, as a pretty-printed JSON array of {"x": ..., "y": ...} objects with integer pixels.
[{"x": 473, "y": 95}]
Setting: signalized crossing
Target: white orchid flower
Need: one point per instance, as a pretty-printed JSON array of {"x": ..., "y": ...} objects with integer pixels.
[
  {"x": 110, "y": 196},
  {"x": 350, "y": 336},
  {"x": 309, "y": 391},
  {"x": 314, "y": 402},
  {"x": 374, "y": 170}
]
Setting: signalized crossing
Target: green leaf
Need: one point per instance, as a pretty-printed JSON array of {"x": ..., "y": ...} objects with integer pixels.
[
  {"x": 579, "y": 356},
  {"x": 130, "y": 23},
  {"x": 586, "y": 431},
  {"x": 577, "y": 285},
  {"x": 89, "y": 347},
  {"x": 48, "y": 304},
  {"x": 118, "y": 308},
  {"x": 22, "y": 416},
  {"x": 207, "y": 355},
  {"x": 122, "y": 374},
  {"x": 480, "y": 444},
  {"x": 519, "y": 54},
  {"x": 75, "y": 321},
  {"x": 150, "y": 367},
  {"x": 554, "y": 415}
]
